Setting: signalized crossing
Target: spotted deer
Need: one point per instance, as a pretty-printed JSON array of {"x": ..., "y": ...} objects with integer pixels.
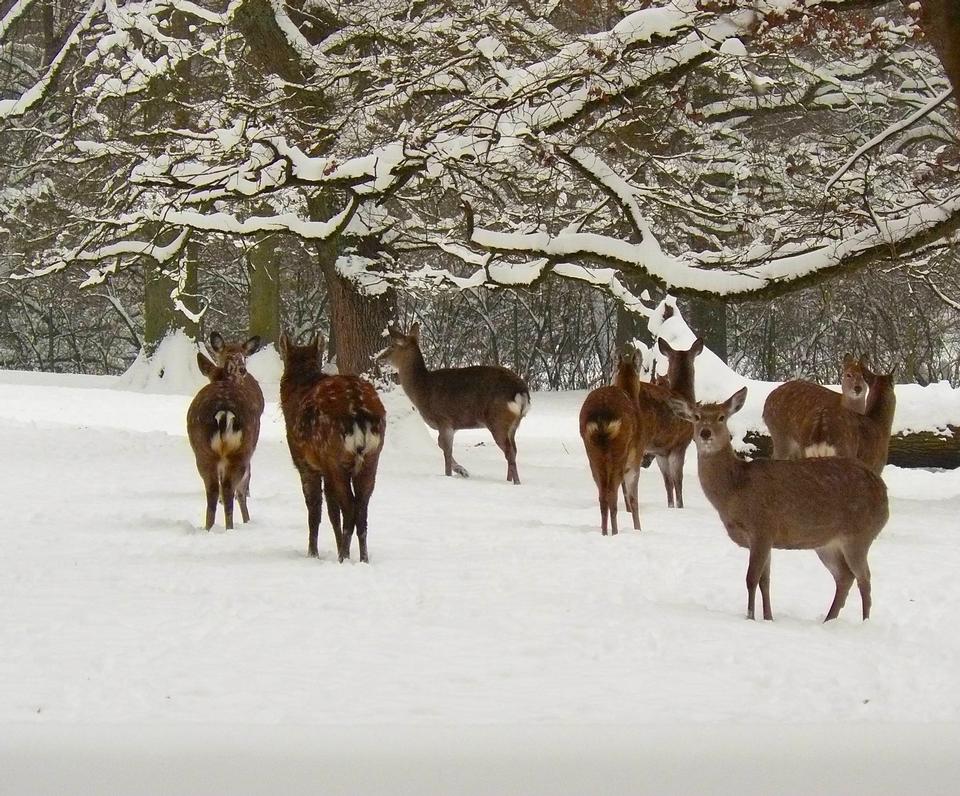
[
  {"x": 223, "y": 426},
  {"x": 608, "y": 422},
  {"x": 335, "y": 431},
  {"x": 834, "y": 506},
  {"x": 793, "y": 411},
  {"x": 449, "y": 399}
]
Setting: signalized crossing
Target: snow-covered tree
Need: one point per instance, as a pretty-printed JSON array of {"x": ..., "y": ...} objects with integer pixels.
[{"x": 719, "y": 148}]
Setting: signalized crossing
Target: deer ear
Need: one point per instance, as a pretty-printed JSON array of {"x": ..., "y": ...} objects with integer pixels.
[
  {"x": 681, "y": 408},
  {"x": 415, "y": 331},
  {"x": 664, "y": 347},
  {"x": 216, "y": 341},
  {"x": 847, "y": 360},
  {"x": 735, "y": 402},
  {"x": 252, "y": 345},
  {"x": 697, "y": 348},
  {"x": 319, "y": 343},
  {"x": 283, "y": 345},
  {"x": 205, "y": 365}
]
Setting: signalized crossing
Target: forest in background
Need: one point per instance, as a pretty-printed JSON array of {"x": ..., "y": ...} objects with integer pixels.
[{"x": 527, "y": 180}]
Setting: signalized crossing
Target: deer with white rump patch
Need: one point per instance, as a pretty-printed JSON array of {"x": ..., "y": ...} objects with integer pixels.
[
  {"x": 834, "y": 506},
  {"x": 335, "y": 432},
  {"x": 608, "y": 427},
  {"x": 794, "y": 411},
  {"x": 448, "y": 399},
  {"x": 223, "y": 425}
]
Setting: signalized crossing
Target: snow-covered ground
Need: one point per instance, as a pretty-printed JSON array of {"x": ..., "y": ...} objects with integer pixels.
[{"x": 496, "y": 642}]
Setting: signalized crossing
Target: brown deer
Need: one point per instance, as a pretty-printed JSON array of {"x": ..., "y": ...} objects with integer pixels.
[
  {"x": 834, "y": 506},
  {"x": 659, "y": 431},
  {"x": 448, "y": 399},
  {"x": 223, "y": 425},
  {"x": 608, "y": 428},
  {"x": 792, "y": 411},
  {"x": 835, "y": 431},
  {"x": 335, "y": 432}
]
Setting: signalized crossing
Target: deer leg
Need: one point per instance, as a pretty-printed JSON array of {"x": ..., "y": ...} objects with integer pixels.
[
  {"x": 338, "y": 489},
  {"x": 676, "y": 474},
  {"x": 834, "y": 561},
  {"x": 759, "y": 561},
  {"x": 445, "y": 441},
  {"x": 213, "y": 495},
  {"x": 612, "y": 498},
  {"x": 227, "y": 493},
  {"x": 856, "y": 560},
  {"x": 312, "y": 484},
  {"x": 664, "y": 464},
  {"x": 765, "y": 589},
  {"x": 363, "y": 489},
  {"x": 631, "y": 482},
  {"x": 243, "y": 489},
  {"x": 504, "y": 440},
  {"x": 333, "y": 512}
]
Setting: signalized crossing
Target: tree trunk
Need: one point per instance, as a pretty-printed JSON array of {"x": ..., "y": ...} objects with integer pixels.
[
  {"x": 357, "y": 320},
  {"x": 159, "y": 314},
  {"x": 921, "y": 449},
  {"x": 707, "y": 317},
  {"x": 941, "y": 25},
  {"x": 264, "y": 298}
]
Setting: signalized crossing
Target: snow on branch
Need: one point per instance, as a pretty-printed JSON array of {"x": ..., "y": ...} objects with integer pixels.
[
  {"x": 892, "y": 130},
  {"x": 904, "y": 231},
  {"x": 10, "y": 108},
  {"x": 16, "y": 11}
]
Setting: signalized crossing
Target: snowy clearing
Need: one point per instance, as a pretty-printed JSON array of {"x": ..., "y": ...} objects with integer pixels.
[{"x": 493, "y": 624}]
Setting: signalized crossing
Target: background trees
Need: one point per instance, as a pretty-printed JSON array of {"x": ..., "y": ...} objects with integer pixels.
[{"x": 518, "y": 174}]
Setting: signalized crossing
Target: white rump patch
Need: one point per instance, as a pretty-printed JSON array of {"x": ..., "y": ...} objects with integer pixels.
[
  {"x": 354, "y": 441},
  {"x": 520, "y": 405},
  {"x": 232, "y": 437},
  {"x": 819, "y": 451}
]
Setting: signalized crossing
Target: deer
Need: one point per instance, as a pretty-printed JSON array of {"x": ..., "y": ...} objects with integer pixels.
[
  {"x": 335, "y": 425},
  {"x": 449, "y": 399},
  {"x": 835, "y": 431},
  {"x": 834, "y": 506},
  {"x": 659, "y": 431},
  {"x": 792, "y": 410},
  {"x": 223, "y": 426},
  {"x": 608, "y": 423}
]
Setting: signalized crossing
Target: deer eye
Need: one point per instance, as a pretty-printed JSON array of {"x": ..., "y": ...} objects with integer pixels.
[
  {"x": 696, "y": 416},
  {"x": 720, "y": 418}
]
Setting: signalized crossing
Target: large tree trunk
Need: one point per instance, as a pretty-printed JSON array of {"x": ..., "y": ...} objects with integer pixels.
[
  {"x": 357, "y": 320},
  {"x": 160, "y": 317},
  {"x": 941, "y": 25},
  {"x": 263, "y": 261}
]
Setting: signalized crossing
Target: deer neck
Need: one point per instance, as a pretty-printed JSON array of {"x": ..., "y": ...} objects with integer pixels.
[
  {"x": 680, "y": 378},
  {"x": 720, "y": 473},
  {"x": 298, "y": 381},
  {"x": 413, "y": 373},
  {"x": 881, "y": 409}
]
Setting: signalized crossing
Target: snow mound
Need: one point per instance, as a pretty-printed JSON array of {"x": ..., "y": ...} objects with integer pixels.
[{"x": 172, "y": 369}]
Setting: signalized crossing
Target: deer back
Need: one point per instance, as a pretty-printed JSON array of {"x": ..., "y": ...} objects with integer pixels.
[
  {"x": 469, "y": 397},
  {"x": 224, "y": 417},
  {"x": 608, "y": 430}
]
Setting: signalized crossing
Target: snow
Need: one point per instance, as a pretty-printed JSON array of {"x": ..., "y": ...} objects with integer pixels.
[{"x": 496, "y": 643}]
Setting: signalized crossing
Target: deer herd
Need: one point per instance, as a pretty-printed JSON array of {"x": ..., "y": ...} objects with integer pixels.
[{"x": 821, "y": 490}]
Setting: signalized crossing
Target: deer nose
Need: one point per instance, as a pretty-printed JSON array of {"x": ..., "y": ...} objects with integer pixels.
[
  {"x": 704, "y": 434},
  {"x": 858, "y": 389}
]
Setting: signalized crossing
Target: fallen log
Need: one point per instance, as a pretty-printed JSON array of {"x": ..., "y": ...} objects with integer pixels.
[{"x": 916, "y": 449}]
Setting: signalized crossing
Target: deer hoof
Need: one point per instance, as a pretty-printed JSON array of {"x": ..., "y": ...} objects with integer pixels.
[{"x": 460, "y": 471}]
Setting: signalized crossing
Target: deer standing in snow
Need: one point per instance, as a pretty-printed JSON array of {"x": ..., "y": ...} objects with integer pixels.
[
  {"x": 793, "y": 411},
  {"x": 223, "y": 425},
  {"x": 448, "y": 399},
  {"x": 659, "y": 431},
  {"x": 335, "y": 431},
  {"x": 834, "y": 506},
  {"x": 608, "y": 427}
]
